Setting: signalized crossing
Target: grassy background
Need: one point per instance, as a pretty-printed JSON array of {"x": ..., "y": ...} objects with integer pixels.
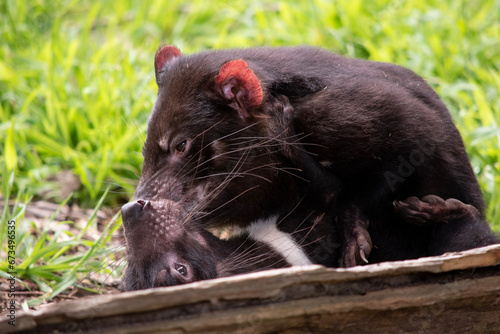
[{"x": 77, "y": 85}]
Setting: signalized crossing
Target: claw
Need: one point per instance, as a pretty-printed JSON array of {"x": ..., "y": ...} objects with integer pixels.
[
  {"x": 362, "y": 255},
  {"x": 400, "y": 204}
]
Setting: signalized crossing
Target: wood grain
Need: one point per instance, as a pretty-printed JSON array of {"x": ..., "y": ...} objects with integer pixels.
[{"x": 456, "y": 292}]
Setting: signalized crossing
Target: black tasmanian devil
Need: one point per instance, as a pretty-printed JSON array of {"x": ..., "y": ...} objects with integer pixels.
[
  {"x": 180, "y": 254},
  {"x": 376, "y": 132}
]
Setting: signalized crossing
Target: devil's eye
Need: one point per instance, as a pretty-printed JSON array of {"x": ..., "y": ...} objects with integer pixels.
[
  {"x": 181, "y": 269},
  {"x": 181, "y": 147}
]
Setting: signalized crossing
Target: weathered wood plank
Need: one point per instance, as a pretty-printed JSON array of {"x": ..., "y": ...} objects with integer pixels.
[{"x": 461, "y": 290}]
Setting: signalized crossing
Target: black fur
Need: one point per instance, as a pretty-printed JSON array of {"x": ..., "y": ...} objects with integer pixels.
[
  {"x": 203, "y": 256},
  {"x": 163, "y": 253},
  {"x": 377, "y": 131},
  {"x": 449, "y": 225}
]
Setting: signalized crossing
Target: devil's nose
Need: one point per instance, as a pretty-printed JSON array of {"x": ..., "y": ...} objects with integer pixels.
[{"x": 133, "y": 211}]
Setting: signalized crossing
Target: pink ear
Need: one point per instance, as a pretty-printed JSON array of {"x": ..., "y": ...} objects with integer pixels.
[
  {"x": 238, "y": 84},
  {"x": 166, "y": 53}
]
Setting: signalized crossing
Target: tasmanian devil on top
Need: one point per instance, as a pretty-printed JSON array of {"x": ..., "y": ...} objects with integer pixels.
[{"x": 215, "y": 152}]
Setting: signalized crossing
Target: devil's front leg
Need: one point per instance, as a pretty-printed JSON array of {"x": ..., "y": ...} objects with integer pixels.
[
  {"x": 356, "y": 241},
  {"x": 321, "y": 181},
  {"x": 281, "y": 131},
  {"x": 432, "y": 209},
  {"x": 323, "y": 186},
  {"x": 455, "y": 225}
]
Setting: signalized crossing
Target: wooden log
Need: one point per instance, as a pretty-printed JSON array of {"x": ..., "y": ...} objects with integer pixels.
[{"x": 456, "y": 292}]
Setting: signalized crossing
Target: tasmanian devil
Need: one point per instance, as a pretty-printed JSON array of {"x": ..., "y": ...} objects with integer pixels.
[
  {"x": 431, "y": 212},
  {"x": 377, "y": 130},
  {"x": 172, "y": 253},
  {"x": 184, "y": 253}
]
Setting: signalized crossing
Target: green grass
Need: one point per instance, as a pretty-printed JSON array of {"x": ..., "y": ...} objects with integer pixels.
[
  {"x": 77, "y": 83},
  {"x": 57, "y": 259}
]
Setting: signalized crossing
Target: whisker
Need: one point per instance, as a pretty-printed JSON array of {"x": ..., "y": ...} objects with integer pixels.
[{"x": 137, "y": 132}]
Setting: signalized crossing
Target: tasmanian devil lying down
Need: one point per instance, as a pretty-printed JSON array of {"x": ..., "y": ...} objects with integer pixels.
[{"x": 278, "y": 142}]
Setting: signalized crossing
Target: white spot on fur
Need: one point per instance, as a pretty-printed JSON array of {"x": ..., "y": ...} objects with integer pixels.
[
  {"x": 325, "y": 163},
  {"x": 266, "y": 231},
  {"x": 164, "y": 144}
]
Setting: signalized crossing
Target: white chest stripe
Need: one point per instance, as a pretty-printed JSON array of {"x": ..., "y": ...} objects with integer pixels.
[{"x": 266, "y": 231}]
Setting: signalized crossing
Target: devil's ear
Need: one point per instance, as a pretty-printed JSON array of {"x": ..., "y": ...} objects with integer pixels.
[
  {"x": 164, "y": 55},
  {"x": 239, "y": 86}
]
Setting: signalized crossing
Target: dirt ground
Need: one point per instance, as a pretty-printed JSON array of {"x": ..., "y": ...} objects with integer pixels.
[{"x": 71, "y": 219}]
